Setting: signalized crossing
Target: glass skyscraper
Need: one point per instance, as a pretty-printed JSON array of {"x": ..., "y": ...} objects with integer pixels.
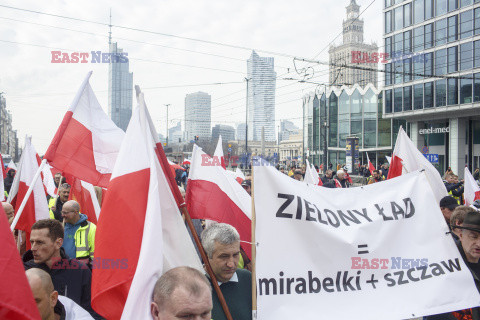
[
  {"x": 261, "y": 97},
  {"x": 120, "y": 88}
]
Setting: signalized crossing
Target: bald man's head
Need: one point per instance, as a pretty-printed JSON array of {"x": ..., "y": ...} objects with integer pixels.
[
  {"x": 182, "y": 290},
  {"x": 71, "y": 211},
  {"x": 42, "y": 288},
  {"x": 8, "y": 208}
]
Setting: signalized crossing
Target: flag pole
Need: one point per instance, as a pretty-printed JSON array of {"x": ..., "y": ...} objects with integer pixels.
[
  {"x": 27, "y": 195},
  {"x": 254, "y": 252}
]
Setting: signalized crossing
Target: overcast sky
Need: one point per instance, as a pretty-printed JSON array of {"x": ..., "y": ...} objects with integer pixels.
[{"x": 38, "y": 92}]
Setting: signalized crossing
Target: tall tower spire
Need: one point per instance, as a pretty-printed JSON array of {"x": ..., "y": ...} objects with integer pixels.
[
  {"x": 353, "y": 26},
  {"x": 110, "y": 26}
]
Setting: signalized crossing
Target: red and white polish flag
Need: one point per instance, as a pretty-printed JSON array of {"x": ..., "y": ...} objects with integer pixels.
[
  {"x": 36, "y": 207},
  {"x": 407, "y": 158},
  {"x": 371, "y": 167},
  {"x": 140, "y": 224},
  {"x": 215, "y": 195},
  {"x": 87, "y": 142},
  {"x": 471, "y": 189}
]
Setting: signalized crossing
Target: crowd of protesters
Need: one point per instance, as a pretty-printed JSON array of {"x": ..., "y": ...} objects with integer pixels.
[{"x": 68, "y": 238}]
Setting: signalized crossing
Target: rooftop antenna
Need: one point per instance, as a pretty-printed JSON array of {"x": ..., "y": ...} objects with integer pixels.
[{"x": 110, "y": 26}]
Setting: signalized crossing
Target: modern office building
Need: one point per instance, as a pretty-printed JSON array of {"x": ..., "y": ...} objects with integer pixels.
[
  {"x": 175, "y": 134},
  {"x": 329, "y": 118},
  {"x": 198, "y": 116},
  {"x": 261, "y": 97},
  {"x": 227, "y": 132},
  {"x": 241, "y": 131},
  {"x": 437, "y": 91},
  {"x": 353, "y": 52},
  {"x": 120, "y": 88},
  {"x": 287, "y": 128}
]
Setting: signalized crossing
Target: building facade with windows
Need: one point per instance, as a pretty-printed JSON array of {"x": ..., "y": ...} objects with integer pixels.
[
  {"x": 261, "y": 97},
  {"x": 227, "y": 132},
  {"x": 8, "y": 137},
  {"x": 120, "y": 88},
  {"x": 340, "y": 112},
  {"x": 198, "y": 116},
  {"x": 437, "y": 91}
]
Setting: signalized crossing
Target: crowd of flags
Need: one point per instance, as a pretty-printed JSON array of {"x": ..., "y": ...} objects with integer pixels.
[{"x": 141, "y": 218}]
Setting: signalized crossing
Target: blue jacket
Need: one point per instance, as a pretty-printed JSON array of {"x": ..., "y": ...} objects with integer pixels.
[{"x": 69, "y": 237}]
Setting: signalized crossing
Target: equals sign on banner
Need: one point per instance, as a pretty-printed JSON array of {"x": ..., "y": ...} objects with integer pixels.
[{"x": 362, "y": 246}]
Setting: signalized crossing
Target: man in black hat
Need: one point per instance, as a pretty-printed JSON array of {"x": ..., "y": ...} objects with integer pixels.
[
  {"x": 469, "y": 247},
  {"x": 447, "y": 205},
  {"x": 247, "y": 185},
  {"x": 470, "y": 240}
]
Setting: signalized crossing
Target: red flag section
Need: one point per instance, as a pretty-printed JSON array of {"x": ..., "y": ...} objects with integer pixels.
[
  {"x": 140, "y": 227},
  {"x": 87, "y": 142},
  {"x": 371, "y": 167},
  {"x": 396, "y": 167},
  {"x": 213, "y": 194},
  {"x": 16, "y": 298},
  {"x": 36, "y": 207}
]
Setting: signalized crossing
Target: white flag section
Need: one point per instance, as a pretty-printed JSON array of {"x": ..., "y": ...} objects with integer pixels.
[
  {"x": 311, "y": 175},
  {"x": 471, "y": 190},
  {"x": 406, "y": 158},
  {"x": 12, "y": 165},
  {"x": 218, "y": 154},
  {"x": 377, "y": 252},
  {"x": 48, "y": 181}
]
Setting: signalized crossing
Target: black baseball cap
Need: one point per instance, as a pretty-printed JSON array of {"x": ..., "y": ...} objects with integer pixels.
[{"x": 449, "y": 202}]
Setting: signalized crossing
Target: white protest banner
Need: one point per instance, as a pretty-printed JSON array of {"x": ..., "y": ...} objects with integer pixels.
[{"x": 381, "y": 251}]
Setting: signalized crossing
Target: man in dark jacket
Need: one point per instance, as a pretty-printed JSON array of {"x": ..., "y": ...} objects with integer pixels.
[
  {"x": 469, "y": 247},
  {"x": 327, "y": 179},
  {"x": 70, "y": 277},
  {"x": 222, "y": 245}
]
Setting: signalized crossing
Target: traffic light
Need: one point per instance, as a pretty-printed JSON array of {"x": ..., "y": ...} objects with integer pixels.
[{"x": 195, "y": 138}]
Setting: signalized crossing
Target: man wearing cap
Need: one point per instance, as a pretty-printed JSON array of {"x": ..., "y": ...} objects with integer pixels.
[
  {"x": 247, "y": 185},
  {"x": 469, "y": 247},
  {"x": 447, "y": 205},
  {"x": 298, "y": 175}
]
